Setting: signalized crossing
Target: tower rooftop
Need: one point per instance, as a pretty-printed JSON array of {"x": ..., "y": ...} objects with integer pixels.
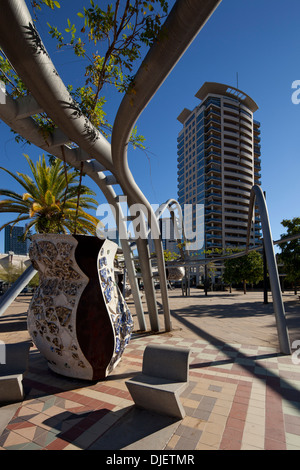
[{"x": 225, "y": 90}]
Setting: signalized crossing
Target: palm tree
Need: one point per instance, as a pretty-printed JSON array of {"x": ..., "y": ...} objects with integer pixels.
[{"x": 53, "y": 201}]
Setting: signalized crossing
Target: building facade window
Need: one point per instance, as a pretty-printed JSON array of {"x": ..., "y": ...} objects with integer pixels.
[{"x": 226, "y": 161}]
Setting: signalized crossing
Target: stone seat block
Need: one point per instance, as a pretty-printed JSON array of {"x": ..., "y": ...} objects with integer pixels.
[
  {"x": 13, "y": 366},
  {"x": 11, "y": 388},
  {"x": 163, "y": 378}
]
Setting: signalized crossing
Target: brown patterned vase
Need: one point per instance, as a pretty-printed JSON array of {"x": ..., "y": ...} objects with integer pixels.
[{"x": 78, "y": 318}]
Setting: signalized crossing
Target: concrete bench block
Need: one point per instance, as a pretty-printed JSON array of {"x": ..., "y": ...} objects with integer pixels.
[
  {"x": 11, "y": 389},
  {"x": 12, "y": 372},
  {"x": 163, "y": 378},
  {"x": 168, "y": 362}
]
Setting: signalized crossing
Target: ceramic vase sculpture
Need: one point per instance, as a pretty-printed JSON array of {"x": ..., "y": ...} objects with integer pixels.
[
  {"x": 78, "y": 318},
  {"x": 175, "y": 274}
]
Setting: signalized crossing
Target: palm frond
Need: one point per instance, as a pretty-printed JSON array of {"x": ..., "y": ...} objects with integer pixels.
[
  {"x": 10, "y": 206},
  {"x": 19, "y": 180},
  {"x": 50, "y": 199},
  {"x": 12, "y": 194},
  {"x": 14, "y": 222}
]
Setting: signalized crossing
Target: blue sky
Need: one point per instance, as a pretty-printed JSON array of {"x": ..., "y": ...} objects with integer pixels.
[{"x": 259, "y": 40}]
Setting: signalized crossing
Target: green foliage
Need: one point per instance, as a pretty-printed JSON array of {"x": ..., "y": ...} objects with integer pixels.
[
  {"x": 16, "y": 88},
  {"x": 49, "y": 3},
  {"x": 170, "y": 256},
  {"x": 49, "y": 203},
  {"x": 246, "y": 269},
  {"x": 10, "y": 273},
  {"x": 290, "y": 250},
  {"x": 8, "y": 76},
  {"x": 109, "y": 40}
]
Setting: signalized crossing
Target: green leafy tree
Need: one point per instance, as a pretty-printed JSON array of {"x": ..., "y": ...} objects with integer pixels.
[
  {"x": 245, "y": 269},
  {"x": 10, "y": 273},
  {"x": 109, "y": 41},
  {"x": 290, "y": 251},
  {"x": 53, "y": 200},
  {"x": 170, "y": 256}
]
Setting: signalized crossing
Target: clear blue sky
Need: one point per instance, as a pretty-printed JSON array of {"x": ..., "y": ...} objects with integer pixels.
[{"x": 260, "y": 40}]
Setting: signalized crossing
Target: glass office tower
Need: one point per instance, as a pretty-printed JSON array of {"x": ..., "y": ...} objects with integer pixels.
[{"x": 13, "y": 240}]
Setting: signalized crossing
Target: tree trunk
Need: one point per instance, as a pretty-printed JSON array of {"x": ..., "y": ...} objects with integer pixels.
[{"x": 245, "y": 291}]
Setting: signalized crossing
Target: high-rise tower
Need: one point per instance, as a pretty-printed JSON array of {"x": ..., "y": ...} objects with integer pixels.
[
  {"x": 13, "y": 240},
  {"x": 219, "y": 162}
]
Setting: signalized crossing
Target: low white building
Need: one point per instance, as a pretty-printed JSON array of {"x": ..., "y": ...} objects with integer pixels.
[{"x": 17, "y": 261}]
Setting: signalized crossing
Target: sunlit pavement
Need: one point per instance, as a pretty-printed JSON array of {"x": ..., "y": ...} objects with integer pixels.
[{"x": 242, "y": 394}]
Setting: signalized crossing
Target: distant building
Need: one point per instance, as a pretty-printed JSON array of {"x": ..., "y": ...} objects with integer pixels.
[
  {"x": 167, "y": 231},
  {"x": 13, "y": 241},
  {"x": 17, "y": 261}
]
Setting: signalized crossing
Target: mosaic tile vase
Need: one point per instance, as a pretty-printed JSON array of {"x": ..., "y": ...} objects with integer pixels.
[
  {"x": 78, "y": 318},
  {"x": 175, "y": 274}
]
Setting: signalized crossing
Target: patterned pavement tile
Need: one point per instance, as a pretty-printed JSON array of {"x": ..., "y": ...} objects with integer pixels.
[{"x": 238, "y": 397}]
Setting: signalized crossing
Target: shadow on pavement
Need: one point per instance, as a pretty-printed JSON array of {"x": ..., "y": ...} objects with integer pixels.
[
  {"x": 257, "y": 369},
  {"x": 136, "y": 429}
]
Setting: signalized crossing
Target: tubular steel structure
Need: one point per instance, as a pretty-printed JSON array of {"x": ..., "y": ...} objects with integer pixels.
[
  {"x": 106, "y": 164},
  {"x": 258, "y": 197}
]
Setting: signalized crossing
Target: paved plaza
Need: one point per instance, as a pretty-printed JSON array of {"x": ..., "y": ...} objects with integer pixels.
[{"x": 242, "y": 394}]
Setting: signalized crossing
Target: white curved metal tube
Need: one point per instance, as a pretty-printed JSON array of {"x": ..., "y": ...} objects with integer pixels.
[
  {"x": 182, "y": 25},
  {"x": 9, "y": 296},
  {"x": 32, "y": 62},
  {"x": 25, "y": 50},
  {"x": 178, "y": 230},
  {"x": 28, "y": 128},
  {"x": 258, "y": 197}
]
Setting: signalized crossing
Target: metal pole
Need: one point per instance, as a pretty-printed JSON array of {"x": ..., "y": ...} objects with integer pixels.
[
  {"x": 16, "y": 289},
  {"x": 52, "y": 96},
  {"x": 256, "y": 193},
  {"x": 185, "y": 20},
  {"x": 124, "y": 282},
  {"x": 265, "y": 277},
  {"x": 205, "y": 280},
  {"x": 265, "y": 269}
]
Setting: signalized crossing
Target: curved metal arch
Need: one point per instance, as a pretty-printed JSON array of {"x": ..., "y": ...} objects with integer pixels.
[
  {"x": 31, "y": 61},
  {"x": 28, "y": 128},
  {"x": 49, "y": 94},
  {"x": 168, "y": 205},
  {"x": 257, "y": 196},
  {"x": 24, "y": 48},
  {"x": 184, "y": 22},
  {"x": 178, "y": 229}
]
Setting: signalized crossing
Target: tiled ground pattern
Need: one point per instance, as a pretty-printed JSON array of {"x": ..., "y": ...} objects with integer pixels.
[{"x": 238, "y": 398}]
